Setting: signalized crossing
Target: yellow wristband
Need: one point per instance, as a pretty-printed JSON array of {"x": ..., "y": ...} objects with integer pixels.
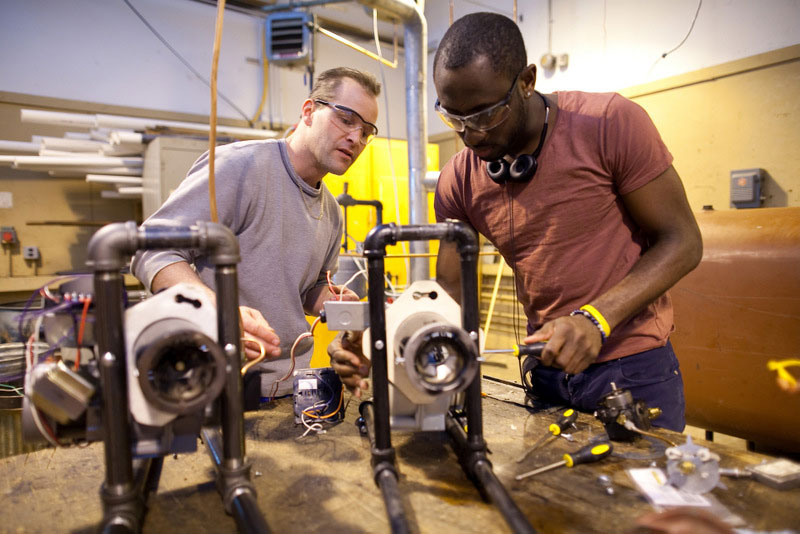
[{"x": 599, "y": 317}]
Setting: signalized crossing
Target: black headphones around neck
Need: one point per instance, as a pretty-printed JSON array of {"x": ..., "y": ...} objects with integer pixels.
[{"x": 523, "y": 167}]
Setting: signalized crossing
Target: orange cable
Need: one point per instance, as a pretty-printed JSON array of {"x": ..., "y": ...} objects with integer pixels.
[
  {"x": 212, "y": 133},
  {"x": 339, "y": 407},
  {"x": 86, "y": 302}
]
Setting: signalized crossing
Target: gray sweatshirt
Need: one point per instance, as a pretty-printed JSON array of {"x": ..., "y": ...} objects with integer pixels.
[{"x": 289, "y": 236}]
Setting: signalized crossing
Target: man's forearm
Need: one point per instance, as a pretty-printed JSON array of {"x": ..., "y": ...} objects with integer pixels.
[
  {"x": 448, "y": 270},
  {"x": 661, "y": 267},
  {"x": 661, "y": 210},
  {"x": 176, "y": 273}
]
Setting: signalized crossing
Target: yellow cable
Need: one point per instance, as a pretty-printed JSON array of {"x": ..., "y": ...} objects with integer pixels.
[
  {"x": 339, "y": 407},
  {"x": 493, "y": 300},
  {"x": 780, "y": 367}
]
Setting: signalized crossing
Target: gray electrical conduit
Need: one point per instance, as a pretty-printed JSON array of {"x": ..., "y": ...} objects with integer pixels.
[{"x": 411, "y": 14}]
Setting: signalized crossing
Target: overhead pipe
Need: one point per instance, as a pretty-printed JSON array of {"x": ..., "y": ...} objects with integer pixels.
[
  {"x": 111, "y": 179},
  {"x": 115, "y": 122},
  {"x": 412, "y": 15},
  {"x": 358, "y": 48}
]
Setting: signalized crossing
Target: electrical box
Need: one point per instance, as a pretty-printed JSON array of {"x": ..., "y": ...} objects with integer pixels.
[
  {"x": 746, "y": 187},
  {"x": 289, "y": 38},
  {"x": 31, "y": 253},
  {"x": 8, "y": 235},
  {"x": 317, "y": 396}
]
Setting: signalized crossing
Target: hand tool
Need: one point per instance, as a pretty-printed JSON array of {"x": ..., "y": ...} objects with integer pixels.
[
  {"x": 566, "y": 420},
  {"x": 590, "y": 453},
  {"x": 532, "y": 349}
]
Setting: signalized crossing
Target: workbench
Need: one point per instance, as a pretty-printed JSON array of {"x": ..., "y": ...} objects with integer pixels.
[{"x": 323, "y": 482}]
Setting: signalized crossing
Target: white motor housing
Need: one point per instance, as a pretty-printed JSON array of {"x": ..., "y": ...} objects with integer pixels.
[
  {"x": 174, "y": 364},
  {"x": 431, "y": 357}
]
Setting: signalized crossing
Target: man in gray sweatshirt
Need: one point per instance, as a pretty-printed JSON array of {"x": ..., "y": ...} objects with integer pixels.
[{"x": 270, "y": 194}]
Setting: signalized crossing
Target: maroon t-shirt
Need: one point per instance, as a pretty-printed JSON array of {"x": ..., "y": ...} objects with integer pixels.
[{"x": 572, "y": 238}]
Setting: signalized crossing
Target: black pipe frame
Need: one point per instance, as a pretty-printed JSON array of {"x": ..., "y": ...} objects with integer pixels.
[
  {"x": 345, "y": 200},
  {"x": 470, "y": 447},
  {"x": 123, "y": 498}
]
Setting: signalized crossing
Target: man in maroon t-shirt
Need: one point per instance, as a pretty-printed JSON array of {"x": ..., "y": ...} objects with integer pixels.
[{"x": 578, "y": 193}]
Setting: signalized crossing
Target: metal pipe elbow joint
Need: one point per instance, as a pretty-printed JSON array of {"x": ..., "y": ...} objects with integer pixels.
[
  {"x": 377, "y": 239},
  {"x": 221, "y": 243},
  {"x": 463, "y": 235},
  {"x": 109, "y": 246}
]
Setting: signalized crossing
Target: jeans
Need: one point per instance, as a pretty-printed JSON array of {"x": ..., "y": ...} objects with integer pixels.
[{"x": 652, "y": 376}]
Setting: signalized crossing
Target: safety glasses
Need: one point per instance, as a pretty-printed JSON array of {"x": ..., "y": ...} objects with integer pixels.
[
  {"x": 481, "y": 121},
  {"x": 349, "y": 120}
]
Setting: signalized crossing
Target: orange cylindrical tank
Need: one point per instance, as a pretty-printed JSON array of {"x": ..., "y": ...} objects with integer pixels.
[{"x": 738, "y": 309}]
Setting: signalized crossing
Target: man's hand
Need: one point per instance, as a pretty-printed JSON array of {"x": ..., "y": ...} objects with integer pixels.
[
  {"x": 348, "y": 360},
  {"x": 316, "y": 298},
  {"x": 255, "y": 327},
  {"x": 342, "y": 293},
  {"x": 573, "y": 343}
]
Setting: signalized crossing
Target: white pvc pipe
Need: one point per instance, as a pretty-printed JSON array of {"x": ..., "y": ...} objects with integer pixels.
[
  {"x": 67, "y": 161},
  {"x": 79, "y": 172},
  {"x": 130, "y": 190},
  {"x": 65, "y": 154},
  {"x": 122, "y": 150},
  {"x": 74, "y": 145},
  {"x": 19, "y": 146},
  {"x": 111, "y": 179},
  {"x": 100, "y": 134},
  {"x": 121, "y": 137},
  {"x": 77, "y": 135},
  {"x": 117, "y": 194},
  {"x": 136, "y": 123},
  {"x": 57, "y": 117}
]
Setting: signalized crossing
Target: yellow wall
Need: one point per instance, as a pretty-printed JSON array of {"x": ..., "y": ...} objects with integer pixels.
[
  {"x": 739, "y": 115},
  {"x": 371, "y": 178}
]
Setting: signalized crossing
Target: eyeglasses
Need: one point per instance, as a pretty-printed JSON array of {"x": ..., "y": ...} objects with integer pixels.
[
  {"x": 481, "y": 121},
  {"x": 349, "y": 120}
]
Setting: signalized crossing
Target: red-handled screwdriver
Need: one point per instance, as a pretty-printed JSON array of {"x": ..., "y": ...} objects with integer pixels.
[{"x": 593, "y": 452}]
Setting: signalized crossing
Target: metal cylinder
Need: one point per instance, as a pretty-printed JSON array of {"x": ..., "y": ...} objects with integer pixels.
[{"x": 736, "y": 311}]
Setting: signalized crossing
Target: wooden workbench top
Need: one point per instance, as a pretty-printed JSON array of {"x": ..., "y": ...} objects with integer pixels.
[{"x": 323, "y": 483}]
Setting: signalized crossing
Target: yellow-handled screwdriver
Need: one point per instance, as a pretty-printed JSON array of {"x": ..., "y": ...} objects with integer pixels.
[
  {"x": 532, "y": 349},
  {"x": 584, "y": 455},
  {"x": 565, "y": 420}
]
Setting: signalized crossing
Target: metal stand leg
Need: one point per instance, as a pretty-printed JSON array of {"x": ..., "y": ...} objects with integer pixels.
[
  {"x": 123, "y": 496},
  {"x": 385, "y": 472},
  {"x": 479, "y": 469},
  {"x": 233, "y": 483}
]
